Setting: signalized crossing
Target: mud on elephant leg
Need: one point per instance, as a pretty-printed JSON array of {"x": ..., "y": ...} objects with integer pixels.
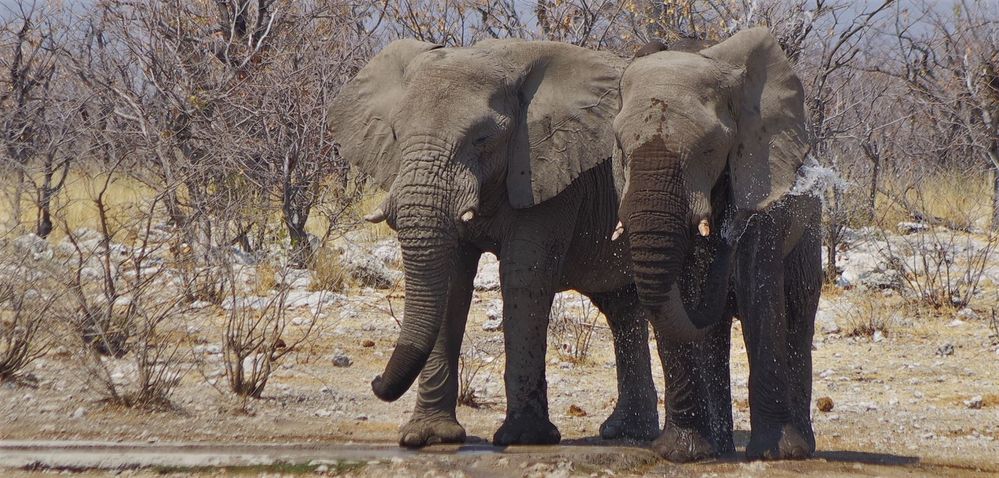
[
  {"x": 433, "y": 419},
  {"x": 635, "y": 416},
  {"x": 527, "y": 283},
  {"x": 686, "y": 434}
]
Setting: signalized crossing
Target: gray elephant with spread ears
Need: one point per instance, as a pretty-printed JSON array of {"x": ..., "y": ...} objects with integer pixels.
[
  {"x": 504, "y": 147},
  {"x": 713, "y": 142}
]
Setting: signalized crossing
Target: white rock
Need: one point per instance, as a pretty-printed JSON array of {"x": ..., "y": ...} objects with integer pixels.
[
  {"x": 79, "y": 413},
  {"x": 975, "y": 403},
  {"x": 966, "y": 314},
  {"x": 494, "y": 316},
  {"x": 912, "y": 227},
  {"x": 366, "y": 268},
  {"x": 955, "y": 323},
  {"x": 488, "y": 277},
  {"x": 878, "y": 336}
]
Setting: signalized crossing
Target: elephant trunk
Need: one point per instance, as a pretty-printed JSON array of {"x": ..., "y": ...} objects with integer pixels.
[
  {"x": 658, "y": 216},
  {"x": 656, "y": 212},
  {"x": 427, "y": 255},
  {"x": 427, "y": 197}
]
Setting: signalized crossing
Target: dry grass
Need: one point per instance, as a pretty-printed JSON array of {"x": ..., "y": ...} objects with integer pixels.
[
  {"x": 265, "y": 279},
  {"x": 327, "y": 271},
  {"x": 868, "y": 314},
  {"x": 75, "y": 202},
  {"x": 963, "y": 198}
]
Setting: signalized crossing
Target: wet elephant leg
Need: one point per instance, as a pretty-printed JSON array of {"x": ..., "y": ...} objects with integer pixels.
[
  {"x": 760, "y": 286},
  {"x": 635, "y": 415},
  {"x": 528, "y": 272},
  {"x": 802, "y": 288},
  {"x": 685, "y": 436},
  {"x": 716, "y": 374},
  {"x": 433, "y": 419}
]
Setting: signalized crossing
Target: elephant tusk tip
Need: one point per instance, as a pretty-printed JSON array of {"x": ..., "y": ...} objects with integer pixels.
[
  {"x": 618, "y": 231},
  {"x": 468, "y": 216},
  {"x": 376, "y": 216},
  {"x": 704, "y": 228}
]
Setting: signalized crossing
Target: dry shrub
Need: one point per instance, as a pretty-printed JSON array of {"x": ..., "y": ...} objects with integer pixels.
[
  {"x": 868, "y": 314},
  {"x": 265, "y": 279},
  {"x": 472, "y": 363},
  {"x": 572, "y": 324},
  {"x": 257, "y": 337},
  {"x": 24, "y": 317},
  {"x": 328, "y": 272}
]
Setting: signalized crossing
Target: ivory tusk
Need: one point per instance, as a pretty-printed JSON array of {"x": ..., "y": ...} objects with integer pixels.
[
  {"x": 704, "y": 228},
  {"x": 376, "y": 216},
  {"x": 468, "y": 215},
  {"x": 618, "y": 230}
]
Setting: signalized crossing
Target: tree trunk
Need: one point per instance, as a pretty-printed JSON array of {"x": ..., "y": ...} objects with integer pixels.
[{"x": 994, "y": 226}]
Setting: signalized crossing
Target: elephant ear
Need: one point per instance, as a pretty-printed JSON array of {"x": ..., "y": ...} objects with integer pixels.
[
  {"x": 359, "y": 115},
  {"x": 771, "y": 140},
  {"x": 569, "y": 96}
]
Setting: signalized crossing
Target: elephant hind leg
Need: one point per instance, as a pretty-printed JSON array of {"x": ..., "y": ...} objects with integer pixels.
[
  {"x": 716, "y": 374},
  {"x": 803, "y": 270},
  {"x": 635, "y": 416}
]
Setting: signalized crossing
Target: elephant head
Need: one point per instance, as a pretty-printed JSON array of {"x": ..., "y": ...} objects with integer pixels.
[
  {"x": 701, "y": 133},
  {"x": 452, "y": 134}
]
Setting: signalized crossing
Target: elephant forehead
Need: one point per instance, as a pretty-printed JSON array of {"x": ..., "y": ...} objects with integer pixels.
[
  {"x": 457, "y": 66},
  {"x": 666, "y": 72}
]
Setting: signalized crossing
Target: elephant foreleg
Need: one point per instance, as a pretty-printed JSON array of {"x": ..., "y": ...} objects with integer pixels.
[
  {"x": 760, "y": 285},
  {"x": 686, "y": 434},
  {"x": 527, "y": 274},
  {"x": 803, "y": 269},
  {"x": 433, "y": 419},
  {"x": 635, "y": 415}
]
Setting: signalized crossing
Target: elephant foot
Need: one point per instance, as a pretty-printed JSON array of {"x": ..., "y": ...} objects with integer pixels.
[
  {"x": 631, "y": 423},
  {"x": 683, "y": 445},
  {"x": 786, "y": 443},
  {"x": 526, "y": 429},
  {"x": 431, "y": 430}
]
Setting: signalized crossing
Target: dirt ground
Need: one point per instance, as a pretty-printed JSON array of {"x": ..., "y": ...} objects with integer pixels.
[{"x": 902, "y": 405}]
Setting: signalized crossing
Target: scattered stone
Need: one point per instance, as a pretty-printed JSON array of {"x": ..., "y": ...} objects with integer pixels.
[
  {"x": 340, "y": 359},
  {"x": 955, "y": 323},
  {"x": 945, "y": 350},
  {"x": 966, "y": 314},
  {"x": 824, "y": 404},
  {"x": 322, "y": 469},
  {"x": 367, "y": 269},
  {"x": 492, "y": 325},
  {"x": 826, "y": 373},
  {"x": 367, "y": 343},
  {"x": 912, "y": 227},
  {"x": 975, "y": 403},
  {"x": 323, "y": 413},
  {"x": 576, "y": 411},
  {"x": 878, "y": 336},
  {"x": 79, "y": 413},
  {"x": 494, "y": 316},
  {"x": 33, "y": 245}
]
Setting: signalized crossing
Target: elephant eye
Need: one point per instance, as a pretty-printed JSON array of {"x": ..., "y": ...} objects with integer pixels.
[{"x": 481, "y": 140}]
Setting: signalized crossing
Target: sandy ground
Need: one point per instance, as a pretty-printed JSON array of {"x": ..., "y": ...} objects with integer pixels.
[{"x": 902, "y": 406}]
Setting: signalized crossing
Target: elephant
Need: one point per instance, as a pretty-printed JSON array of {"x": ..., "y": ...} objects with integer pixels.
[
  {"x": 719, "y": 225},
  {"x": 504, "y": 147}
]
